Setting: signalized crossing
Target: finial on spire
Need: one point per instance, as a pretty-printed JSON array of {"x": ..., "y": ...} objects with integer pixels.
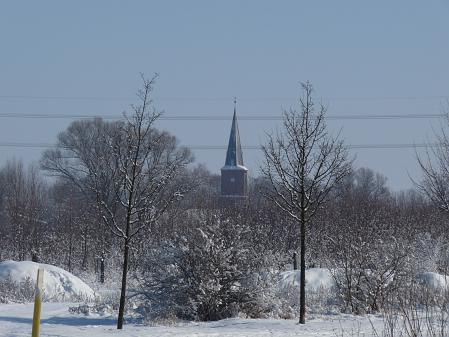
[{"x": 235, "y": 102}]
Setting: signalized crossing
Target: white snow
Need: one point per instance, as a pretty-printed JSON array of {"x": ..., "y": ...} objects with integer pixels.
[
  {"x": 15, "y": 320},
  {"x": 235, "y": 168},
  {"x": 434, "y": 281},
  {"x": 316, "y": 278},
  {"x": 58, "y": 283},
  {"x": 321, "y": 278}
]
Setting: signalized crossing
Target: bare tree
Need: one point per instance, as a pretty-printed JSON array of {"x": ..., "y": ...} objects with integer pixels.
[
  {"x": 83, "y": 159},
  {"x": 15, "y": 204},
  {"x": 24, "y": 198},
  {"x": 132, "y": 171},
  {"x": 434, "y": 164},
  {"x": 146, "y": 163},
  {"x": 303, "y": 162}
]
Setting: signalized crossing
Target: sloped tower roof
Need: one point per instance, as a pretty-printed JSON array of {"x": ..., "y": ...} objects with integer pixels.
[{"x": 234, "y": 156}]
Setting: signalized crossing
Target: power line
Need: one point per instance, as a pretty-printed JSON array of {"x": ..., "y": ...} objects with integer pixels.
[
  {"x": 350, "y": 146},
  {"x": 55, "y": 116},
  {"x": 220, "y": 118},
  {"x": 248, "y": 147},
  {"x": 65, "y": 98},
  {"x": 222, "y": 98}
]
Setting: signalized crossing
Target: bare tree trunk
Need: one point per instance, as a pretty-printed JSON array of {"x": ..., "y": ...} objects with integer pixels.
[
  {"x": 302, "y": 289},
  {"x": 121, "y": 310}
]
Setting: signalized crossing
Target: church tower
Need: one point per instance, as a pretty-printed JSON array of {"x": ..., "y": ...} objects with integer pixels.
[{"x": 234, "y": 175}]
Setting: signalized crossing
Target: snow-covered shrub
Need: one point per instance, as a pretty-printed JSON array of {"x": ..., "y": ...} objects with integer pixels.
[
  {"x": 418, "y": 310},
  {"x": 206, "y": 273},
  {"x": 372, "y": 270},
  {"x": 104, "y": 305},
  {"x": 427, "y": 251},
  {"x": 431, "y": 254},
  {"x": 321, "y": 295},
  {"x": 108, "y": 305},
  {"x": 367, "y": 273},
  {"x": 17, "y": 292},
  {"x": 265, "y": 301}
]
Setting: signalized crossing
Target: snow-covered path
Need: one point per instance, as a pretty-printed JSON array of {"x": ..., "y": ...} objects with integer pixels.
[{"x": 15, "y": 320}]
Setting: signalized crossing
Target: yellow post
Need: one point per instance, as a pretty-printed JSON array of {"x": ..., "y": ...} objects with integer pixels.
[{"x": 37, "y": 303}]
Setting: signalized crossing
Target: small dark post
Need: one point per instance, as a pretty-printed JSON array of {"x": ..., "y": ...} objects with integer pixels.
[
  {"x": 102, "y": 268},
  {"x": 295, "y": 261},
  {"x": 34, "y": 257}
]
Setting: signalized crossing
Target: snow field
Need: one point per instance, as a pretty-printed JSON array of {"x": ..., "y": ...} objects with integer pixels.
[{"x": 15, "y": 321}]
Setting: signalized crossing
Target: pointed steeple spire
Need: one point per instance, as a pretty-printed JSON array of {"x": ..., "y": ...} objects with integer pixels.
[
  {"x": 234, "y": 176},
  {"x": 234, "y": 155}
]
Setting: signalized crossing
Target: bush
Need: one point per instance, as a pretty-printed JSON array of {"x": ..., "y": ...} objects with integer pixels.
[
  {"x": 105, "y": 305},
  {"x": 21, "y": 292},
  {"x": 369, "y": 272},
  {"x": 206, "y": 274}
]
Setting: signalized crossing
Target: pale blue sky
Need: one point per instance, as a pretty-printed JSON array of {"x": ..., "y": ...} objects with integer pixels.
[{"x": 363, "y": 57}]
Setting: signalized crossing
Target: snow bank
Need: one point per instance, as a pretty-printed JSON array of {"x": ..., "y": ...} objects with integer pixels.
[
  {"x": 58, "y": 283},
  {"x": 316, "y": 278},
  {"x": 434, "y": 281}
]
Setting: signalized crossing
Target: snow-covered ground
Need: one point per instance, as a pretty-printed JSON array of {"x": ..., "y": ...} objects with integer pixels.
[{"x": 15, "y": 321}]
